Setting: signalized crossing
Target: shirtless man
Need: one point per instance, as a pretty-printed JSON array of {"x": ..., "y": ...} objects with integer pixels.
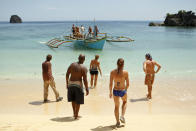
[
  {"x": 94, "y": 67},
  {"x": 89, "y": 32},
  {"x": 73, "y": 30},
  {"x": 49, "y": 79},
  {"x": 75, "y": 92},
  {"x": 119, "y": 77},
  {"x": 148, "y": 67}
]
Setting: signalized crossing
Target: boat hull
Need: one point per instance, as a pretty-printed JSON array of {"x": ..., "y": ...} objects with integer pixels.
[{"x": 92, "y": 44}]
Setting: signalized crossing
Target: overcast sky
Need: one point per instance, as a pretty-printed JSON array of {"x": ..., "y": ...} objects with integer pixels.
[{"x": 54, "y": 10}]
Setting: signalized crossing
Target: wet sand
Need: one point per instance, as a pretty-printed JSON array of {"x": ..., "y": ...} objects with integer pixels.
[{"x": 173, "y": 107}]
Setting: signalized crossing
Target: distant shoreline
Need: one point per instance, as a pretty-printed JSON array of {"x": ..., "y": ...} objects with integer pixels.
[{"x": 60, "y": 21}]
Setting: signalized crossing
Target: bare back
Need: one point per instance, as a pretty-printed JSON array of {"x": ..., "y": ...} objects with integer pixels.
[
  {"x": 150, "y": 66},
  {"x": 94, "y": 64},
  {"x": 77, "y": 72}
]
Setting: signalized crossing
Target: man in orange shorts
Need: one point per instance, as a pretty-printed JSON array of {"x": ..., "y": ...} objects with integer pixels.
[{"x": 149, "y": 69}]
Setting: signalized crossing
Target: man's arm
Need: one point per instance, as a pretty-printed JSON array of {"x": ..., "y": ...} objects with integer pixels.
[
  {"x": 127, "y": 81},
  {"x": 90, "y": 65},
  {"x": 67, "y": 75},
  {"x": 50, "y": 71},
  {"x": 111, "y": 84},
  {"x": 144, "y": 67},
  {"x": 99, "y": 69},
  {"x": 159, "y": 67},
  {"x": 85, "y": 80}
]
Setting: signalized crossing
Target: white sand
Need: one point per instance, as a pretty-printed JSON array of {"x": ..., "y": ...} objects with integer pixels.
[{"x": 173, "y": 107}]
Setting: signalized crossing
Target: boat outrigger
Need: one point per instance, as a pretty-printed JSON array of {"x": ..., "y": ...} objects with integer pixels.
[{"x": 93, "y": 40}]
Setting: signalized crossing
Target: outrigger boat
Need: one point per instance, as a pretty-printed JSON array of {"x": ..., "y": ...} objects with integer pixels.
[{"x": 93, "y": 42}]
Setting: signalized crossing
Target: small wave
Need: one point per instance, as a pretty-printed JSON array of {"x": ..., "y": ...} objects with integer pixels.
[{"x": 42, "y": 42}]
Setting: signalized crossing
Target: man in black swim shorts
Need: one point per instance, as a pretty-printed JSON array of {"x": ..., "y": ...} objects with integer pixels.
[{"x": 74, "y": 83}]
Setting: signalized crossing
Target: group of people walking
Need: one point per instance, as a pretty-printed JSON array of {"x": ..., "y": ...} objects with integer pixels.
[
  {"x": 76, "y": 77},
  {"x": 79, "y": 32}
]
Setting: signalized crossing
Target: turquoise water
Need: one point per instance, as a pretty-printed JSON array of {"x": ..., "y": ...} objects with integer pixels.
[{"x": 22, "y": 48}]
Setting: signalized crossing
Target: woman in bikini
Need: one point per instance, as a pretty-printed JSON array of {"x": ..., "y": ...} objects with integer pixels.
[{"x": 94, "y": 70}]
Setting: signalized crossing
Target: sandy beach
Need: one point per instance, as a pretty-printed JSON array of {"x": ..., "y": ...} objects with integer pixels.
[{"x": 172, "y": 107}]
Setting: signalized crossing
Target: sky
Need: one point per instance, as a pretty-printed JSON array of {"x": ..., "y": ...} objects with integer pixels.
[{"x": 62, "y": 10}]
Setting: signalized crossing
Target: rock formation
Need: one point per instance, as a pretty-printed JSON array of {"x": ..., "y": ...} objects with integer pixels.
[
  {"x": 156, "y": 24},
  {"x": 182, "y": 18},
  {"x": 15, "y": 19}
]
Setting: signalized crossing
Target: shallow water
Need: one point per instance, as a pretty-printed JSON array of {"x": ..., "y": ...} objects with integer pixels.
[{"x": 23, "y": 50}]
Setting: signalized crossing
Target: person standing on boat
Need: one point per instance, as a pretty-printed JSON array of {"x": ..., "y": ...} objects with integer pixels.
[
  {"x": 75, "y": 77},
  {"x": 89, "y": 31},
  {"x": 94, "y": 67},
  {"x": 96, "y": 31},
  {"x": 148, "y": 67},
  {"x": 119, "y": 77},
  {"x": 49, "y": 79},
  {"x": 82, "y": 29},
  {"x": 73, "y": 30}
]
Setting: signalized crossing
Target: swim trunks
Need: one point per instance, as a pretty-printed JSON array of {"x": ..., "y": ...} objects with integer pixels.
[
  {"x": 93, "y": 71},
  {"x": 119, "y": 93},
  {"x": 149, "y": 79},
  {"x": 75, "y": 93}
]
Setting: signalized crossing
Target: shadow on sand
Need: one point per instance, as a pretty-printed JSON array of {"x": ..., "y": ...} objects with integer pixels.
[
  {"x": 139, "y": 99},
  {"x": 38, "y": 103},
  {"x": 106, "y": 128},
  {"x": 63, "y": 119}
]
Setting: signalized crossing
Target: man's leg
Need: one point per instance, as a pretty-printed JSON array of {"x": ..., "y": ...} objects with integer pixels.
[
  {"x": 149, "y": 91},
  {"x": 53, "y": 86},
  {"x": 124, "y": 105},
  {"x": 46, "y": 85},
  {"x": 116, "y": 109},
  {"x": 92, "y": 80},
  {"x": 77, "y": 108},
  {"x": 95, "y": 82},
  {"x": 74, "y": 108}
]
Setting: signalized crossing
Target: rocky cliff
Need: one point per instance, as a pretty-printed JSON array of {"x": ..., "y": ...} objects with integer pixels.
[
  {"x": 15, "y": 19},
  {"x": 182, "y": 18}
]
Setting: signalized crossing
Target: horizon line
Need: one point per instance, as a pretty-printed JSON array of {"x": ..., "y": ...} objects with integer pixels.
[{"x": 79, "y": 20}]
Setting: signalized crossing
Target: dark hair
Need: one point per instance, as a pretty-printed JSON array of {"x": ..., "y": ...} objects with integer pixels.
[
  {"x": 81, "y": 58},
  {"x": 48, "y": 57},
  {"x": 148, "y": 56}
]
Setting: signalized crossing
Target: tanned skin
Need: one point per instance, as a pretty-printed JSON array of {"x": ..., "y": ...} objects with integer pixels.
[
  {"x": 95, "y": 63},
  {"x": 119, "y": 77},
  {"x": 78, "y": 73},
  {"x": 149, "y": 68}
]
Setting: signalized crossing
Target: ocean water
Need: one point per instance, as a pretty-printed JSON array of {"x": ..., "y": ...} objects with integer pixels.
[{"x": 23, "y": 49}]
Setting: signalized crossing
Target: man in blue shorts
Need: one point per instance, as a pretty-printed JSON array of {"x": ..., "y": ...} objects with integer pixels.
[{"x": 119, "y": 77}]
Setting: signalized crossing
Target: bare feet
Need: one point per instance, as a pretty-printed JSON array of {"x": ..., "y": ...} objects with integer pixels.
[
  {"x": 149, "y": 96},
  {"x": 122, "y": 119},
  {"x": 46, "y": 100},
  {"x": 118, "y": 124}
]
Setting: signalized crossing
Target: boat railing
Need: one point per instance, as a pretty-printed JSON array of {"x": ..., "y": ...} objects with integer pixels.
[{"x": 105, "y": 34}]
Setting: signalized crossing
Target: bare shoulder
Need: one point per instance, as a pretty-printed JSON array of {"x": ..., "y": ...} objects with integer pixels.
[
  {"x": 72, "y": 64},
  {"x": 83, "y": 68},
  {"x": 154, "y": 62},
  {"x": 113, "y": 72},
  {"x": 48, "y": 63},
  {"x": 98, "y": 63},
  {"x": 126, "y": 73}
]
